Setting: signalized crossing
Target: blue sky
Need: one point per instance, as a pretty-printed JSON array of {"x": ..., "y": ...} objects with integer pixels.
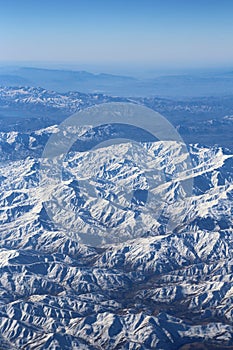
[{"x": 156, "y": 33}]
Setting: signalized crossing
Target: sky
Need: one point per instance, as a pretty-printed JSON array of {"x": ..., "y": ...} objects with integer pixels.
[{"x": 155, "y": 33}]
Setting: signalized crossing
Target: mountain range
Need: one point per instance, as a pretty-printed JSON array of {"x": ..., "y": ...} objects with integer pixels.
[
  {"x": 151, "y": 287},
  {"x": 191, "y": 84},
  {"x": 207, "y": 121}
]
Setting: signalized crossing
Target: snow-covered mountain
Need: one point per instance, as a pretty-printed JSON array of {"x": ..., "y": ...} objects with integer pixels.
[
  {"x": 71, "y": 101},
  {"x": 205, "y": 120},
  {"x": 68, "y": 102},
  {"x": 29, "y": 108},
  {"x": 155, "y": 288}
]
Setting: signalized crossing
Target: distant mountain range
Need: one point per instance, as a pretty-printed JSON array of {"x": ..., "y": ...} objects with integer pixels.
[
  {"x": 175, "y": 86},
  {"x": 199, "y": 120}
]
